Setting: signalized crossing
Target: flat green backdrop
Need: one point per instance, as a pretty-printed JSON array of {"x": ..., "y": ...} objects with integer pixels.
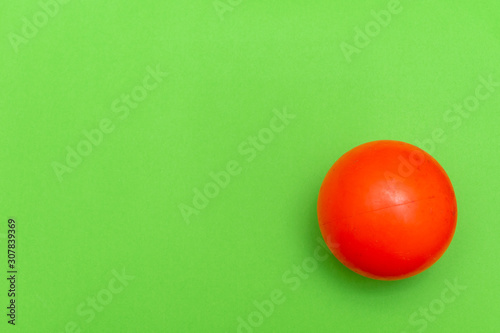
[{"x": 117, "y": 117}]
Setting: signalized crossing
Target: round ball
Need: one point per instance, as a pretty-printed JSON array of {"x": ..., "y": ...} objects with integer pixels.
[{"x": 387, "y": 210}]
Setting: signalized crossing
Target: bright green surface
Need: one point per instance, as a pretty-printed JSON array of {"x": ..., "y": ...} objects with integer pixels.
[{"x": 119, "y": 209}]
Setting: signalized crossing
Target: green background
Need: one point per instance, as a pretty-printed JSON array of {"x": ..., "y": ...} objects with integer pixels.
[{"x": 227, "y": 71}]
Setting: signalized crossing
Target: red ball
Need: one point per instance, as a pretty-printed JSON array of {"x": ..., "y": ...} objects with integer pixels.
[{"x": 387, "y": 210}]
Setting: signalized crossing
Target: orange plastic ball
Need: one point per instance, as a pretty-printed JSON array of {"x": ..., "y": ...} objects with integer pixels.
[{"x": 387, "y": 210}]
